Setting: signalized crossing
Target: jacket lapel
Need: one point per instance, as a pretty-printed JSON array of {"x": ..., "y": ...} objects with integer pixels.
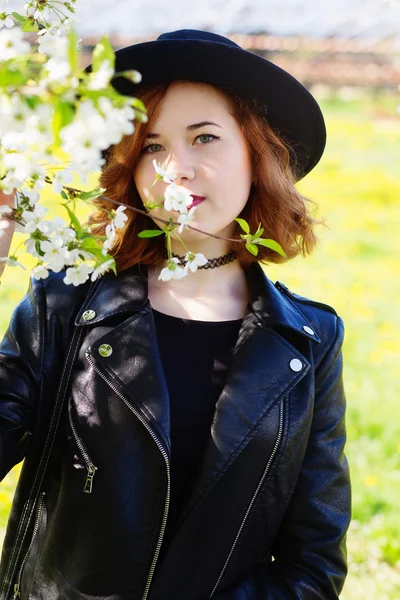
[{"x": 252, "y": 389}]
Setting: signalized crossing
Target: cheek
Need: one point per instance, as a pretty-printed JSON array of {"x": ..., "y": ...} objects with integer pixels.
[
  {"x": 238, "y": 164},
  {"x": 143, "y": 178}
]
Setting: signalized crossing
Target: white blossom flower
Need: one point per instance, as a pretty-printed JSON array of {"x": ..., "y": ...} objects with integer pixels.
[
  {"x": 107, "y": 245},
  {"x": 7, "y": 21},
  {"x": 163, "y": 173},
  {"x": 40, "y": 272},
  {"x": 101, "y": 78},
  {"x": 14, "y": 115},
  {"x": 45, "y": 14},
  {"x": 120, "y": 217},
  {"x": 64, "y": 236},
  {"x": 78, "y": 274},
  {"x": 177, "y": 198},
  {"x": 32, "y": 196},
  {"x": 54, "y": 253},
  {"x": 93, "y": 130},
  {"x": 193, "y": 261},
  {"x": 5, "y": 210},
  {"x": 85, "y": 137},
  {"x": 117, "y": 121},
  {"x": 71, "y": 256},
  {"x": 110, "y": 231},
  {"x": 11, "y": 262},
  {"x": 60, "y": 178},
  {"x": 25, "y": 130},
  {"x": 34, "y": 220},
  {"x": 25, "y": 167},
  {"x": 172, "y": 271},
  {"x": 57, "y": 29},
  {"x": 12, "y": 43},
  {"x": 57, "y": 71},
  {"x": 186, "y": 218},
  {"x": 105, "y": 266},
  {"x": 54, "y": 46},
  {"x": 30, "y": 245}
]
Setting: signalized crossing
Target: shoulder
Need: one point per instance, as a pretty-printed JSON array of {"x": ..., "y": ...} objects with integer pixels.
[
  {"x": 60, "y": 298},
  {"x": 323, "y": 317}
]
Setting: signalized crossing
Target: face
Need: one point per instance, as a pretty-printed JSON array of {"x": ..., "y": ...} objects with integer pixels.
[{"x": 196, "y": 134}]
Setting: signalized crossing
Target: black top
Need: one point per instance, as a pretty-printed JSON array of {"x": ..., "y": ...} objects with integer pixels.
[{"x": 196, "y": 356}]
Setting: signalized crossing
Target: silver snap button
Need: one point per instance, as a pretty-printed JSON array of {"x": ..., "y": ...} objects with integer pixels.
[
  {"x": 88, "y": 315},
  {"x": 105, "y": 350},
  {"x": 296, "y": 364},
  {"x": 308, "y": 329}
]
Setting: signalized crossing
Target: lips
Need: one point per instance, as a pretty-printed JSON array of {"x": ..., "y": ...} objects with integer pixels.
[{"x": 196, "y": 200}]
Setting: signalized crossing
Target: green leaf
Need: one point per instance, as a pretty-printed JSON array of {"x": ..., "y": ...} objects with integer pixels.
[
  {"x": 9, "y": 77},
  {"x": 73, "y": 51},
  {"x": 63, "y": 195},
  {"x": 64, "y": 113},
  {"x": 96, "y": 252},
  {"x": 31, "y": 101},
  {"x": 243, "y": 224},
  {"x": 252, "y": 248},
  {"x": 90, "y": 244},
  {"x": 29, "y": 25},
  {"x": 137, "y": 103},
  {"x": 106, "y": 259},
  {"x": 74, "y": 220},
  {"x": 92, "y": 194},
  {"x": 114, "y": 267},
  {"x": 99, "y": 238},
  {"x": 102, "y": 51},
  {"x": 18, "y": 17},
  {"x": 273, "y": 246},
  {"x": 150, "y": 233}
]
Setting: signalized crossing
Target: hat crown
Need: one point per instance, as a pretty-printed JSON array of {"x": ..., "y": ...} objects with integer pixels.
[{"x": 197, "y": 35}]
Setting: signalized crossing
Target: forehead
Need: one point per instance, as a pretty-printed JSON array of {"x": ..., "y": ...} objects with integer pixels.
[{"x": 184, "y": 98}]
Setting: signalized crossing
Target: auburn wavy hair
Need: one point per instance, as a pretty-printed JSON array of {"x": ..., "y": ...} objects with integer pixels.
[{"x": 273, "y": 201}]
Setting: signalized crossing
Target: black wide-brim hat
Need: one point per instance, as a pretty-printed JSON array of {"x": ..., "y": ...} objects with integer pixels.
[{"x": 195, "y": 55}]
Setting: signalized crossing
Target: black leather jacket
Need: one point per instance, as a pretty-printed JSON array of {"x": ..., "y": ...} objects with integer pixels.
[{"x": 269, "y": 511}]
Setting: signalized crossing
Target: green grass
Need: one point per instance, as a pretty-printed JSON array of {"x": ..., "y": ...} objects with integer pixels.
[{"x": 355, "y": 269}]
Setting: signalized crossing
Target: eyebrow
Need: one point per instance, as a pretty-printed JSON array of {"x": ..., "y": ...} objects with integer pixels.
[{"x": 189, "y": 128}]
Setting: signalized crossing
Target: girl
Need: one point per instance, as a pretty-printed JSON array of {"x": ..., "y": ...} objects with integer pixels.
[{"x": 183, "y": 439}]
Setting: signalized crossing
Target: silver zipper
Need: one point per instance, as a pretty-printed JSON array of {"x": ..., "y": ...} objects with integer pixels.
[
  {"x": 165, "y": 455},
  {"x": 91, "y": 468},
  {"x": 17, "y": 586},
  {"x": 275, "y": 448}
]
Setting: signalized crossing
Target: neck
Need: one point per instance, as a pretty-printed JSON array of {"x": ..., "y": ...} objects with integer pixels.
[{"x": 228, "y": 278}]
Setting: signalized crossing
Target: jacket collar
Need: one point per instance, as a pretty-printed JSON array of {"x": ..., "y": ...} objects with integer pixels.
[{"x": 128, "y": 293}]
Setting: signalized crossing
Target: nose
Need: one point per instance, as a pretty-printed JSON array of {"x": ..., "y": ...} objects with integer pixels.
[{"x": 180, "y": 164}]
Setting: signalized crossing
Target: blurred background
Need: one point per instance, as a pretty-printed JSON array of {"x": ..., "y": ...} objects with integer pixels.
[{"x": 347, "y": 53}]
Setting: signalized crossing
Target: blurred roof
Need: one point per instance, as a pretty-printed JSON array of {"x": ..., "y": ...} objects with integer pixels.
[{"x": 372, "y": 20}]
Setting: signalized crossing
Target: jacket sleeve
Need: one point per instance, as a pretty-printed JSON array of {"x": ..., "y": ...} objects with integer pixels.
[
  {"x": 21, "y": 363},
  {"x": 310, "y": 561}
]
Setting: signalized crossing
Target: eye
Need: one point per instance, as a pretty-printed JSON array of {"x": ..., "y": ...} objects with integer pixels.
[
  {"x": 206, "y": 139},
  {"x": 207, "y": 135},
  {"x": 146, "y": 149}
]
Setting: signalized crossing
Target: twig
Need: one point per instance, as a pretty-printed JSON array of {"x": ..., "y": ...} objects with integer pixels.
[{"x": 146, "y": 214}]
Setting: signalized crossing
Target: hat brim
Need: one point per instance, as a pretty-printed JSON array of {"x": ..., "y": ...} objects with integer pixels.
[{"x": 292, "y": 111}]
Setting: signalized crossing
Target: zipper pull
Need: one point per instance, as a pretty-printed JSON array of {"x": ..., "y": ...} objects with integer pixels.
[
  {"x": 17, "y": 592},
  {"x": 89, "y": 478}
]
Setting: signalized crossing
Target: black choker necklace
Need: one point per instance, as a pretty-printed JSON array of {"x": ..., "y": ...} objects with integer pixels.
[{"x": 211, "y": 263}]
